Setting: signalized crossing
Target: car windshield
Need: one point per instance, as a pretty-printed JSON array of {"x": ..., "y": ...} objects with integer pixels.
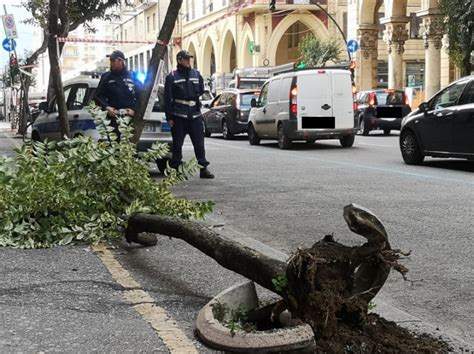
[
  {"x": 245, "y": 99},
  {"x": 390, "y": 98}
]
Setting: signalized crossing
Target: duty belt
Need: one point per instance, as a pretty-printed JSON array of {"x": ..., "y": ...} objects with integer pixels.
[{"x": 187, "y": 103}]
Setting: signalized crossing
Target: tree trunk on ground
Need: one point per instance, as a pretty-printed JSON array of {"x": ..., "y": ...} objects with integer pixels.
[
  {"x": 159, "y": 51},
  {"x": 55, "y": 73},
  {"x": 320, "y": 285}
]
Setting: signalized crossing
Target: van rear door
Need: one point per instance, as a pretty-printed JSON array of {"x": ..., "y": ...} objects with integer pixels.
[
  {"x": 314, "y": 100},
  {"x": 343, "y": 108},
  {"x": 325, "y": 100}
]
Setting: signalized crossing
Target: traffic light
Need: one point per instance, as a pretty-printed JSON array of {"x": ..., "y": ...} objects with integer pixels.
[{"x": 13, "y": 60}]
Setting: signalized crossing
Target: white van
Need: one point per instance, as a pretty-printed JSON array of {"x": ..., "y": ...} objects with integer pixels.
[{"x": 308, "y": 105}]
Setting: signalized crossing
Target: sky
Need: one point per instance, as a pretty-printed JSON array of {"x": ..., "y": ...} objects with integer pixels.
[{"x": 24, "y": 40}]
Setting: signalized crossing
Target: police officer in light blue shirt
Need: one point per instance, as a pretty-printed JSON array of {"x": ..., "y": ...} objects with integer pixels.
[{"x": 183, "y": 87}]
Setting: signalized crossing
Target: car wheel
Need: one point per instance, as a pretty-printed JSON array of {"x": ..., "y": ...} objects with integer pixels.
[
  {"x": 162, "y": 164},
  {"x": 363, "y": 129},
  {"x": 35, "y": 136},
  {"x": 386, "y": 131},
  {"x": 226, "y": 133},
  {"x": 284, "y": 141},
  {"x": 347, "y": 141},
  {"x": 410, "y": 148},
  {"x": 207, "y": 133},
  {"x": 253, "y": 137}
]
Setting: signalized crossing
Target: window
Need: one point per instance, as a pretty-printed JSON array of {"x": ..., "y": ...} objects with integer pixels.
[
  {"x": 449, "y": 96},
  {"x": 224, "y": 2},
  {"x": 246, "y": 99},
  {"x": 148, "y": 24},
  {"x": 148, "y": 56},
  {"x": 468, "y": 96},
  {"x": 76, "y": 99},
  {"x": 382, "y": 74},
  {"x": 142, "y": 62},
  {"x": 204, "y": 7},
  {"x": 415, "y": 23},
  {"x": 293, "y": 34},
  {"x": 135, "y": 61},
  {"x": 193, "y": 10},
  {"x": 226, "y": 99},
  {"x": 130, "y": 62},
  {"x": 415, "y": 74},
  {"x": 380, "y": 15},
  {"x": 262, "y": 99},
  {"x": 154, "y": 22}
]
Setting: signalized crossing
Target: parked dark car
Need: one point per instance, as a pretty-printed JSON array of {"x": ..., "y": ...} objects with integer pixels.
[
  {"x": 381, "y": 110},
  {"x": 228, "y": 113},
  {"x": 441, "y": 127}
]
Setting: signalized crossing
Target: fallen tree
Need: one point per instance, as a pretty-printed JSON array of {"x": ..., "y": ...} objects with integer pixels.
[{"x": 329, "y": 285}]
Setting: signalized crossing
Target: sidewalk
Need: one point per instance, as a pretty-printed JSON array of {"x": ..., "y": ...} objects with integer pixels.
[{"x": 65, "y": 299}]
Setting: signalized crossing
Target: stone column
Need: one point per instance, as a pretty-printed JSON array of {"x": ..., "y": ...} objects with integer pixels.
[
  {"x": 366, "y": 70},
  {"x": 395, "y": 35},
  {"x": 432, "y": 32}
]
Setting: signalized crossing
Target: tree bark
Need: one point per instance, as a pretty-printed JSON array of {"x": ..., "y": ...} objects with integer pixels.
[
  {"x": 229, "y": 254},
  {"x": 159, "y": 51},
  {"x": 55, "y": 71},
  {"x": 321, "y": 285}
]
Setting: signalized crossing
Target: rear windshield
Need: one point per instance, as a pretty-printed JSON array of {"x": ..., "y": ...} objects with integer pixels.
[
  {"x": 251, "y": 83},
  {"x": 246, "y": 98},
  {"x": 390, "y": 98}
]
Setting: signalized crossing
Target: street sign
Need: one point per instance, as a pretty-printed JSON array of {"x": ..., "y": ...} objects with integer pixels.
[
  {"x": 9, "y": 44},
  {"x": 352, "y": 46},
  {"x": 9, "y": 26}
]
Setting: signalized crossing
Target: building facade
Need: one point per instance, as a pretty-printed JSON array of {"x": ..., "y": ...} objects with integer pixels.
[{"x": 399, "y": 40}]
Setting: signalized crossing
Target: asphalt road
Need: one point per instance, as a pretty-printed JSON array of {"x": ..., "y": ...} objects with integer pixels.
[{"x": 288, "y": 199}]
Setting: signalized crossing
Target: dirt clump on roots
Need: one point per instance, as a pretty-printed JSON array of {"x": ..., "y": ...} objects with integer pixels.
[{"x": 330, "y": 286}]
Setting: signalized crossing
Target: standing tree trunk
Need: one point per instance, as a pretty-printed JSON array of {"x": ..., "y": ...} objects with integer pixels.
[
  {"x": 159, "y": 52},
  {"x": 54, "y": 30}
]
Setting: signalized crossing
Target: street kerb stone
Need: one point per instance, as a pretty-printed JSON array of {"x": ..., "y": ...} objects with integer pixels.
[{"x": 216, "y": 335}]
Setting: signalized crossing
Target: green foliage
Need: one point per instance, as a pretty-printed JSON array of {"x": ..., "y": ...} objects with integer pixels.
[
  {"x": 316, "y": 52},
  {"x": 219, "y": 310},
  {"x": 280, "y": 283},
  {"x": 55, "y": 193},
  {"x": 459, "y": 25},
  {"x": 238, "y": 316},
  {"x": 372, "y": 305}
]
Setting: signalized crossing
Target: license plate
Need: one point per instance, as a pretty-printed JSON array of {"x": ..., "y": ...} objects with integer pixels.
[
  {"x": 318, "y": 123},
  {"x": 149, "y": 128}
]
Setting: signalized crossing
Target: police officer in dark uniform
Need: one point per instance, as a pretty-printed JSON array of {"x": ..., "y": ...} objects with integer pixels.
[
  {"x": 183, "y": 111},
  {"x": 118, "y": 89}
]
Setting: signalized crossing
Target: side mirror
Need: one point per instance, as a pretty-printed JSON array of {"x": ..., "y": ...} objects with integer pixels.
[
  {"x": 253, "y": 102},
  {"x": 43, "y": 106},
  {"x": 423, "y": 107}
]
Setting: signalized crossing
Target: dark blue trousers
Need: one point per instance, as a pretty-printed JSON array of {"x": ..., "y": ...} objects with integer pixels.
[{"x": 195, "y": 129}]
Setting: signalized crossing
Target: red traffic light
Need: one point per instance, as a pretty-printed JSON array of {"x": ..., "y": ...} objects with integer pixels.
[{"x": 13, "y": 60}]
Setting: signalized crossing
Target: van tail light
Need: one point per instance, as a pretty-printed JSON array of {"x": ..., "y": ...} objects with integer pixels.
[
  {"x": 372, "y": 100},
  {"x": 355, "y": 106},
  {"x": 293, "y": 100}
]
